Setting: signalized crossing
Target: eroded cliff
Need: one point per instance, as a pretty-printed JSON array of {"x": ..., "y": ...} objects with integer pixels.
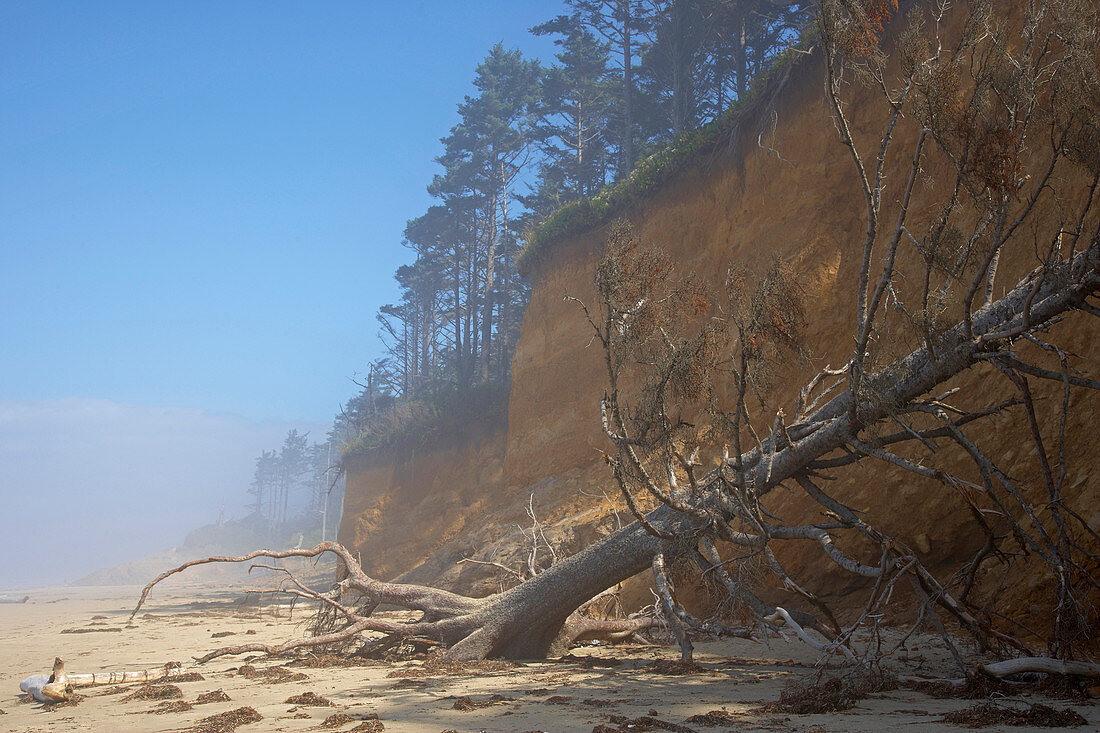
[{"x": 779, "y": 185}]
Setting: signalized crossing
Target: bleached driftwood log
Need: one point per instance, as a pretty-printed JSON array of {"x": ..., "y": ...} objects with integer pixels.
[
  {"x": 59, "y": 685},
  {"x": 1042, "y": 664}
]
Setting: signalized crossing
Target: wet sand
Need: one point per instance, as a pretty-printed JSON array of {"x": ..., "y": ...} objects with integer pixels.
[{"x": 597, "y": 686}]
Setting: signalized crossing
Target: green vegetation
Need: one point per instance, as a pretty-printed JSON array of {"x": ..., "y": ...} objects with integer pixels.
[
  {"x": 585, "y": 214},
  {"x": 430, "y": 421}
]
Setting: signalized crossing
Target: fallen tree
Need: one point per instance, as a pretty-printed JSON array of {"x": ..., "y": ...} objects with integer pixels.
[{"x": 1014, "y": 115}]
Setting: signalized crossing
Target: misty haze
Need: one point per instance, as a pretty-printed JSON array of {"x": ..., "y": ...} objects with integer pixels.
[{"x": 584, "y": 365}]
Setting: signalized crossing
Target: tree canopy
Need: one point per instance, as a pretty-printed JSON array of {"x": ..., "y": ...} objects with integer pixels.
[{"x": 629, "y": 77}]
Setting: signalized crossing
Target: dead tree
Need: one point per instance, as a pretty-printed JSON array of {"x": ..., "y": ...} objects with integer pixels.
[{"x": 1011, "y": 109}]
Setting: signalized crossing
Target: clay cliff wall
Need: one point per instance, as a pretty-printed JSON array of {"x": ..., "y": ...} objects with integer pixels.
[{"x": 789, "y": 193}]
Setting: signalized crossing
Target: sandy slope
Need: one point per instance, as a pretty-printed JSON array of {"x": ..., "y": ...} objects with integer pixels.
[{"x": 550, "y": 696}]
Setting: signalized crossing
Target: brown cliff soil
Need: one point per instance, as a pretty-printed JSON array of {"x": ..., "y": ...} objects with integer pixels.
[
  {"x": 402, "y": 506},
  {"x": 741, "y": 205}
]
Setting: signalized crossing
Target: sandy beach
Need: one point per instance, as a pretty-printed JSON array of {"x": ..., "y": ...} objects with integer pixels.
[{"x": 629, "y": 687}]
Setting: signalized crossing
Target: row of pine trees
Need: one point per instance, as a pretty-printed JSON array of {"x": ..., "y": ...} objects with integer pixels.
[
  {"x": 298, "y": 485},
  {"x": 629, "y": 77}
]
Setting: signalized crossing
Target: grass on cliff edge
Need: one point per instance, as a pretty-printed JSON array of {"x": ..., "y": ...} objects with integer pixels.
[
  {"x": 586, "y": 214},
  {"x": 436, "y": 420}
]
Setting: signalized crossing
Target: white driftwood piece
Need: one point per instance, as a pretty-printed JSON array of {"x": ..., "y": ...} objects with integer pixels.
[
  {"x": 56, "y": 687},
  {"x": 1020, "y": 665},
  {"x": 1041, "y": 664}
]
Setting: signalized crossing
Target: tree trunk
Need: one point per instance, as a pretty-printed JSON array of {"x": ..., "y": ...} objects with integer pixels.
[
  {"x": 740, "y": 54},
  {"x": 458, "y": 350},
  {"x": 628, "y": 94},
  {"x": 487, "y": 292},
  {"x": 533, "y": 619}
]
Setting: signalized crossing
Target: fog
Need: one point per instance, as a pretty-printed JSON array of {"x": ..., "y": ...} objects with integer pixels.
[
  {"x": 201, "y": 211},
  {"x": 89, "y": 483}
]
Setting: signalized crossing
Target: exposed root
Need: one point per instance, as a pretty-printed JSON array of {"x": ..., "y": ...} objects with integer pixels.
[
  {"x": 1042, "y": 664},
  {"x": 470, "y": 628}
]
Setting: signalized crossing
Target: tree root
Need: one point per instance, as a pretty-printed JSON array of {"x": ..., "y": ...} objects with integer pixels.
[{"x": 471, "y": 628}]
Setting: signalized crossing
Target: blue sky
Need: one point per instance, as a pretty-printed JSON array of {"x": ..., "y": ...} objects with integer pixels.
[{"x": 201, "y": 205}]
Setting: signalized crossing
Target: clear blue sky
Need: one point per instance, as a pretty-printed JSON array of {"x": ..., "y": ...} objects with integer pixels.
[
  {"x": 201, "y": 203},
  {"x": 201, "y": 207}
]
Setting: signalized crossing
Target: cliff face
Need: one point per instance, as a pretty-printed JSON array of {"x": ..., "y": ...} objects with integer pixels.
[
  {"x": 401, "y": 506},
  {"x": 789, "y": 193}
]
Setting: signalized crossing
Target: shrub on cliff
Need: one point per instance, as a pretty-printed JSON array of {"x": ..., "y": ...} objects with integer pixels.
[{"x": 437, "y": 419}]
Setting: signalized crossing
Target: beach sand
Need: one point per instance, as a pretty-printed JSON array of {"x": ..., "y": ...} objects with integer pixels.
[{"x": 596, "y": 685}]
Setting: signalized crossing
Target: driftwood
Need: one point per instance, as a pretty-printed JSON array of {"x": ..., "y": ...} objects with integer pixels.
[
  {"x": 1044, "y": 665},
  {"x": 1020, "y": 666},
  {"x": 59, "y": 685}
]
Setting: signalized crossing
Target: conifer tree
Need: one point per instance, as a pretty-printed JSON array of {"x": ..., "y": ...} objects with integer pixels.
[{"x": 621, "y": 25}]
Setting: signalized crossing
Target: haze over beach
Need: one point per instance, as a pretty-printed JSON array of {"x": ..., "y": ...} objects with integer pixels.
[
  {"x": 90, "y": 482},
  {"x": 201, "y": 207}
]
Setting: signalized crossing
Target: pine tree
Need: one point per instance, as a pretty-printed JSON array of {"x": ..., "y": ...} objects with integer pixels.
[
  {"x": 620, "y": 24},
  {"x": 576, "y": 97}
]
